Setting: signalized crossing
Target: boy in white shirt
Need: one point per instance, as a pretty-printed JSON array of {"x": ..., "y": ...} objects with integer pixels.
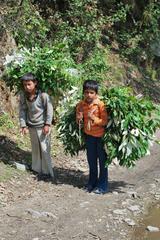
[{"x": 35, "y": 115}]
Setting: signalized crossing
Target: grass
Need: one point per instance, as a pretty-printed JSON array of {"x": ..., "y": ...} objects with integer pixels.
[
  {"x": 7, "y": 172},
  {"x": 5, "y": 121},
  {"x": 14, "y": 147}
]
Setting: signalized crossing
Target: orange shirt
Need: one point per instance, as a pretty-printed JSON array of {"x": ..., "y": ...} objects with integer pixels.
[{"x": 94, "y": 127}]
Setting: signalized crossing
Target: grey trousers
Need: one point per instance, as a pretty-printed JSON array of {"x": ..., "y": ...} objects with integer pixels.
[{"x": 41, "y": 146}]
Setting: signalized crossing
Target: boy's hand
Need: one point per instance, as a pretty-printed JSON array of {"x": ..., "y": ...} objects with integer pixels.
[
  {"x": 91, "y": 116},
  {"x": 24, "y": 130},
  {"x": 80, "y": 116},
  {"x": 46, "y": 129}
]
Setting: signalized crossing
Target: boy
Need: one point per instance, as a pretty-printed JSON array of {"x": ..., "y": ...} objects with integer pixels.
[
  {"x": 35, "y": 115},
  {"x": 93, "y": 113}
]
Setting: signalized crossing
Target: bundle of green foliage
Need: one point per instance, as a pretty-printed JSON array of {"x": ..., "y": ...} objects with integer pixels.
[
  {"x": 69, "y": 132},
  {"x": 53, "y": 67},
  {"x": 133, "y": 122},
  {"x": 130, "y": 130}
]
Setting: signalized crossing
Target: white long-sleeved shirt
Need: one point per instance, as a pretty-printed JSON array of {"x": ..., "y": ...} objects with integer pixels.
[{"x": 35, "y": 113}]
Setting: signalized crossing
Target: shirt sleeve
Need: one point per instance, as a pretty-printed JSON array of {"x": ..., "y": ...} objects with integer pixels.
[
  {"x": 48, "y": 108},
  {"x": 22, "y": 110},
  {"x": 102, "y": 120}
]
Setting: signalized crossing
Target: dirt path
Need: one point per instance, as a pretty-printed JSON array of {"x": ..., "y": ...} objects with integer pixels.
[{"x": 37, "y": 210}]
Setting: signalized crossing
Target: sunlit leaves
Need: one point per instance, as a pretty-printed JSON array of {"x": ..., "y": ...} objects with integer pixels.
[
  {"x": 70, "y": 133},
  {"x": 131, "y": 128}
]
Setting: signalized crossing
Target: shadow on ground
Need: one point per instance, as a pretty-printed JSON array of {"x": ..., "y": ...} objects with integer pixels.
[
  {"x": 10, "y": 153},
  {"x": 78, "y": 179}
]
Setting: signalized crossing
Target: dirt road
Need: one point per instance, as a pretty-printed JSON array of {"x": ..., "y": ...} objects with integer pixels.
[{"x": 37, "y": 210}]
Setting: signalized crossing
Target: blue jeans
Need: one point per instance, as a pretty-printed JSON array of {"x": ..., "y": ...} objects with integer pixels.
[{"x": 95, "y": 152}]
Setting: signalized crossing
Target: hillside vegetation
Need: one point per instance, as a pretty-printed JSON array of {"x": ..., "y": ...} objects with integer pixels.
[{"x": 113, "y": 41}]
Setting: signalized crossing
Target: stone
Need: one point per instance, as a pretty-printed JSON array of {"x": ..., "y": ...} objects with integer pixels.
[
  {"x": 132, "y": 194},
  {"x": 134, "y": 208},
  {"x": 20, "y": 166},
  {"x": 36, "y": 214},
  {"x": 119, "y": 211},
  {"x": 129, "y": 221},
  {"x": 152, "y": 229}
]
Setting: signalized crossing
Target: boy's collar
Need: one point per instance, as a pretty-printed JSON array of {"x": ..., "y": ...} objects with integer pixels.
[
  {"x": 35, "y": 96},
  {"x": 94, "y": 102}
]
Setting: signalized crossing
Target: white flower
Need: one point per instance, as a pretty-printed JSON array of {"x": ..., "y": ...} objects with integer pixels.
[
  {"x": 15, "y": 58},
  {"x": 73, "y": 71},
  {"x": 135, "y": 132},
  {"x": 9, "y": 59}
]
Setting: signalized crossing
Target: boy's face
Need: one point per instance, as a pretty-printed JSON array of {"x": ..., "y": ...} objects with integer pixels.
[
  {"x": 29, "y": 86},
  {"x": 89, "y": 95}
]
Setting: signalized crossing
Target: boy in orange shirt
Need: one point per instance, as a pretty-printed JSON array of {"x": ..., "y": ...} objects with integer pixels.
[{"x": 92, "y": 111}]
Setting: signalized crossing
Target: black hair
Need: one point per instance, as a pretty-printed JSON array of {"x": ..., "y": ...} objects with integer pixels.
[
  {"x": 28, "y": 76},
  {"x": 90, "y": 84}
]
